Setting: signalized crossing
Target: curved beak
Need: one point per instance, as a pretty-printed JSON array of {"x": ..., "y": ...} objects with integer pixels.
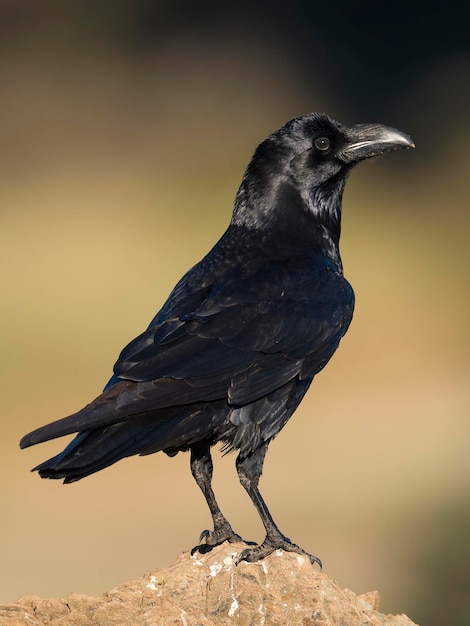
[{"x": 368, "y": 140}]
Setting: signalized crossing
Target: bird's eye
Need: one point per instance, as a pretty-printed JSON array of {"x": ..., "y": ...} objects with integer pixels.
[{"x": 322, "y": 143}]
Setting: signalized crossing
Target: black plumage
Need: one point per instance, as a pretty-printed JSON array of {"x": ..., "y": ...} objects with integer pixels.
[{"x": 235, "y": 347}]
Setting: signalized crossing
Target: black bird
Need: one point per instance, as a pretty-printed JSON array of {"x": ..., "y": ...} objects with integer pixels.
[{"x": 235, "y": 347}]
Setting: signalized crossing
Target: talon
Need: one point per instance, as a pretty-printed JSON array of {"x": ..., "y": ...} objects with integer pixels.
[
  {"x": 216, "y": 537},
  {"x": 314, "y": 559},
  {"x": 270, "y": 545},
  {"x": 242, "y": 556}
]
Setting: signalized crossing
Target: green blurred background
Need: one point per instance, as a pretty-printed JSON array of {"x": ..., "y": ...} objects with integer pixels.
[{"x": 125, "y": 129}]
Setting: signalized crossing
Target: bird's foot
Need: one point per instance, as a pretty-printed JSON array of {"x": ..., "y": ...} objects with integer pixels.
[
  {"x": 221, "y": 533},
  {"x": 270, "y": 545}
]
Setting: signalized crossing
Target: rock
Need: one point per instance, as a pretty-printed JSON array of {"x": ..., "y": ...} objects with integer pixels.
[{"x": 210, "y": 590}]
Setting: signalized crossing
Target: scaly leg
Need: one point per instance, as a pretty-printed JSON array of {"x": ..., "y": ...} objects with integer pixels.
[
  {"x": 201, "y": 468},
  {"x": 249, "y": 471}
]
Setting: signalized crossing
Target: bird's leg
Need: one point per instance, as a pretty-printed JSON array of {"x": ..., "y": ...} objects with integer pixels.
[
  {"x": 249, "y": 470},
  {"x": 201, "y": 468}
]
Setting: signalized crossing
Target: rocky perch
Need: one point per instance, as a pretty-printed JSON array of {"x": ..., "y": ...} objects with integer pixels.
[{"x": 209, "y": 589}]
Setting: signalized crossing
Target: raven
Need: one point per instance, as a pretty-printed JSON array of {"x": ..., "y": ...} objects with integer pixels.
[{"x": 236, "y": 345}]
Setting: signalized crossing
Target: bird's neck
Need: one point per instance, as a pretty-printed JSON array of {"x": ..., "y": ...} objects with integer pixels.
[
  {"x": 325, "y": 203},
  {"x": 284, "y": 223}
]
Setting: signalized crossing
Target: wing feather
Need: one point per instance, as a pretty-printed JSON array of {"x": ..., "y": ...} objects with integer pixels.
[{"x": 248, "y": 336}]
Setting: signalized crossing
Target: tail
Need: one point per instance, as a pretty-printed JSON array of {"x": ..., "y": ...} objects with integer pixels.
[
  {"x": 169, "y": 430},
  {"x": 106, "y": 409},
  {"x": 123, "y": 401},
  {"x": 93, "y": 450}
]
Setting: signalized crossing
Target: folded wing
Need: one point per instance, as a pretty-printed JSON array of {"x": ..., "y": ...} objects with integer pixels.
[{"x": 248, "y": 333}]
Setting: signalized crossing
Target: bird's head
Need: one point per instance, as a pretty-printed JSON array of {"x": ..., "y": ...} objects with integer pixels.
[{"x": 300, "y": 171}]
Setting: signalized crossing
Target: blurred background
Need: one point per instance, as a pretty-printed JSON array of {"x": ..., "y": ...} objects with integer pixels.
[{"x": 125, "y": 130}]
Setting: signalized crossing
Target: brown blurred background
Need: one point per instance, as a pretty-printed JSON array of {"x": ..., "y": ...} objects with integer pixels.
[{"x": 125, "y": 129}]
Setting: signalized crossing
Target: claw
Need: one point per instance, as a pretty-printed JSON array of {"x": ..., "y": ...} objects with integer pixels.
[
  {"x": 202, "y": 547},
  {"x": 220, "y": 534},
  {"x": 314, "y": 559},
  {"x": 204, "y": 534},
  {"x": 217, "y": 537},
  {"x": 242, "y": 556},
  {"x": 251, "y": 555}
]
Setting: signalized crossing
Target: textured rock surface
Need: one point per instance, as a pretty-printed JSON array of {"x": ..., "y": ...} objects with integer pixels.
[{"x": 210, "y": 590}]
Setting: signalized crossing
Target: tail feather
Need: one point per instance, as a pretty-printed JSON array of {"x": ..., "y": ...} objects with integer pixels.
[
  {"x": 126, "y": 400},
  {"x": 93, "y": 450},
  {"x": 104, "y": 410}
]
